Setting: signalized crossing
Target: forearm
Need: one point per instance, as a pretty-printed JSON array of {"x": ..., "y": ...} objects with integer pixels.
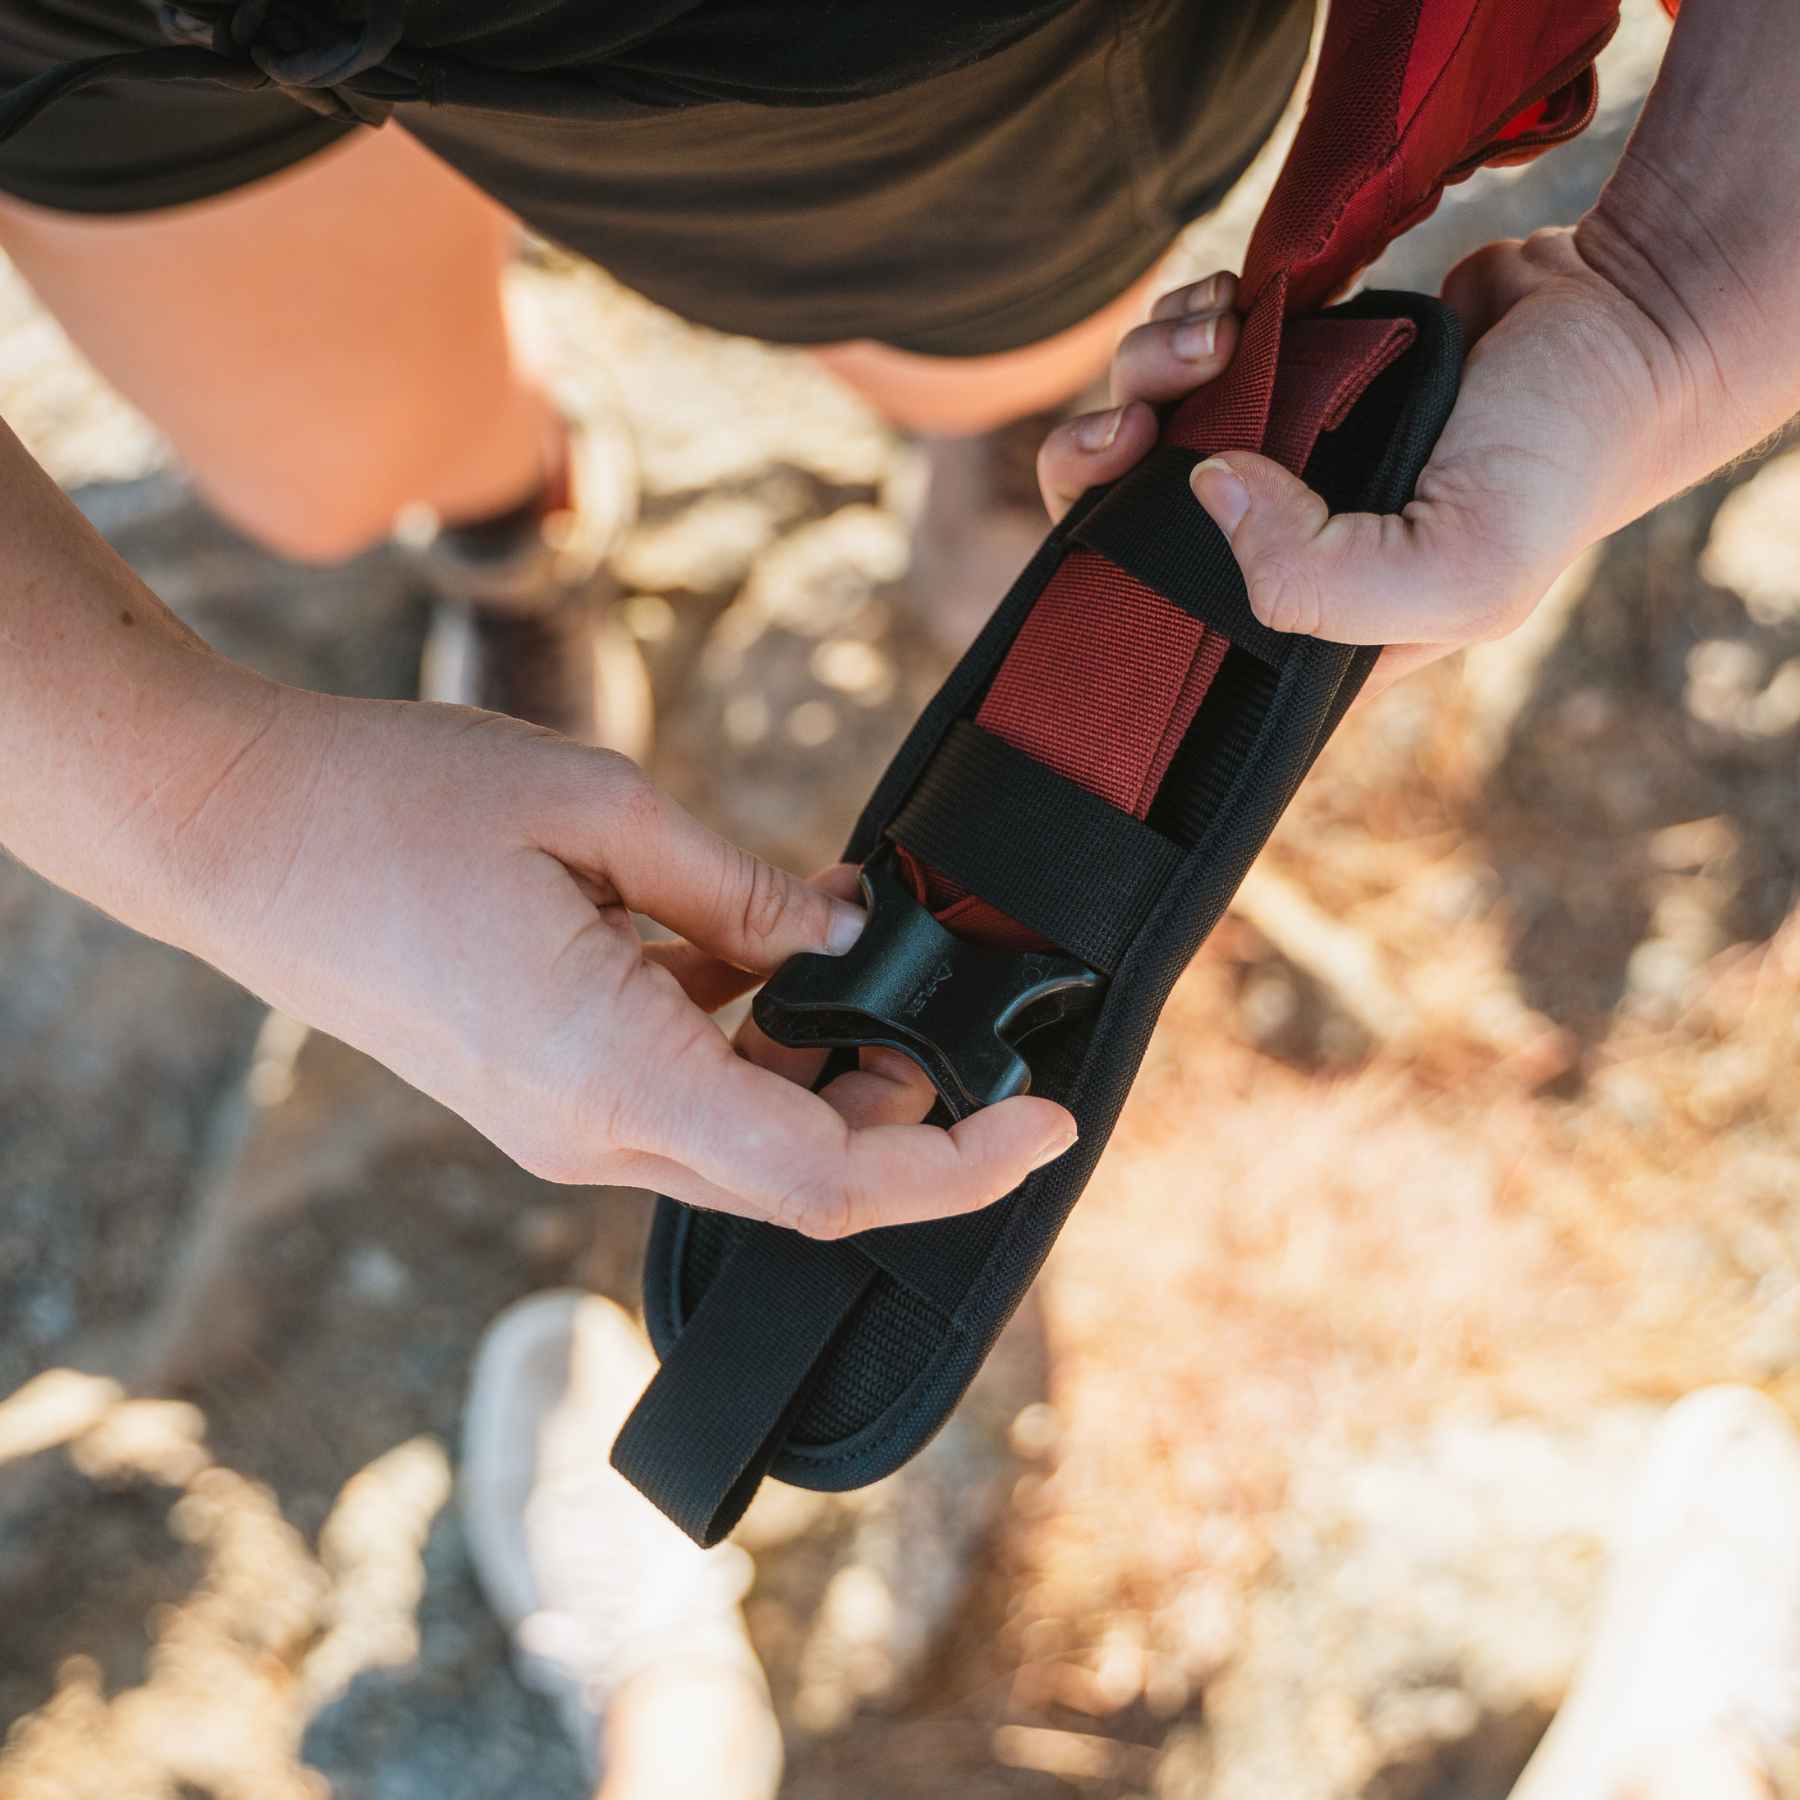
[
  {"x": 1700, "y": 225},
  {"x": 120, "y": 731}
]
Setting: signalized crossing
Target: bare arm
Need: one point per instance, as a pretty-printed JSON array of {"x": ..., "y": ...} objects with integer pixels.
[
  {"x": 1700, "y": 225},
  {"x": 449, "y": 890},
  {"x": 1613, "y": 365},
  {"x": 117, "y": 724}
]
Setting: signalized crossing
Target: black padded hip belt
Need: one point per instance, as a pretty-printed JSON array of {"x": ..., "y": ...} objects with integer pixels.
[{"x": 1075, "y": 809}]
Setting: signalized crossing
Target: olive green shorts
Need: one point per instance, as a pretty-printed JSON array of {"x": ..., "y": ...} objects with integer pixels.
[{"x": 970, "y": 212}]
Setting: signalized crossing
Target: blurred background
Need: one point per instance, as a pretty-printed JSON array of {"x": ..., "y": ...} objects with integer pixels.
[{"x": 1293, "y": 1478}]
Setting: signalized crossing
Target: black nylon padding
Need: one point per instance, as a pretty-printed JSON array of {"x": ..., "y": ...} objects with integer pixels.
[
  {"x": 1150, "y": 524},
  {"x": 711, "y": 1239},
  {"x": 1205, "y": 764},
  {"x": 1069, "y": 866},
  {"x": 923, "y": 1276},
  {"x": 933, "y": 1262},
  {"x": 895, "y": 1326},
  {"x": 1391, "y": 431},
  {"x": 706, "y": 1429},
  {"x": 1088, "y": 1063},
  {"x": 938, "y": 1259}
]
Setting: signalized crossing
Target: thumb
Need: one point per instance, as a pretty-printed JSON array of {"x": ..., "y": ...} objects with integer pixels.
[
  {"x": 719, "y": 897},
  {"x": 1355, "y": 578}
]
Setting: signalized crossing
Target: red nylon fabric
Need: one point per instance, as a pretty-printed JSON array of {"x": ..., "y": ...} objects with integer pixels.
[
  {"x": 1364, "y": 167},
  {"x": 1112, "y": 721},
  {"x": 1105, "y": 677}
]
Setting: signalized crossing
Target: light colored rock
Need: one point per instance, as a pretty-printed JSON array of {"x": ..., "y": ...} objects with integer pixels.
[{"x": 1426, "y": 1608}]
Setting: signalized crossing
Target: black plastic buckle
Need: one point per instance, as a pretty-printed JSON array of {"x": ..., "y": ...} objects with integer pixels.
[{"x": 957, "y": 1009}]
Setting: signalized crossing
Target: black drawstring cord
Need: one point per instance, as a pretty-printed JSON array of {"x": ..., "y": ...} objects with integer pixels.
[{"x": 248, "y": 45}]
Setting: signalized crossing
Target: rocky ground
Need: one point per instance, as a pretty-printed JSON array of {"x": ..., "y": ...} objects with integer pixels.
[{"x": 1465, "y": 1146}]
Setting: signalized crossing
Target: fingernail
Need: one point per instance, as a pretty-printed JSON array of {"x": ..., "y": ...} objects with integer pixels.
[
  {"x": 1063, "y": 1141},
  {"x": 1194, "y": 338},
  {"x": 846, "y": 926},
  {"x": 1220, "y": 489},
  {"x": 1097, "y": 430}
]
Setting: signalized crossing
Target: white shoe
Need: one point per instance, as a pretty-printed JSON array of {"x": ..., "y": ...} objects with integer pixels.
[
  {"x": 1698, "y": 1647},
  {"x": 596, "y": 1587}
]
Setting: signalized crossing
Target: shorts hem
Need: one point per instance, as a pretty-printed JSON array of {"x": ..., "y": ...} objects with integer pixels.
[{"x": 135, "y": 195}]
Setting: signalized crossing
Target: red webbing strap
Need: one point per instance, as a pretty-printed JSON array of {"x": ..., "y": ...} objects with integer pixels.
[
  {"x": 1105, "y": 676},
  {"x": 1411, "y": 95}
]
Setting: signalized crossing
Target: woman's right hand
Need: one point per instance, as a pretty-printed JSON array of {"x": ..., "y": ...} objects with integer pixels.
[{"x": 451, "y": 892}]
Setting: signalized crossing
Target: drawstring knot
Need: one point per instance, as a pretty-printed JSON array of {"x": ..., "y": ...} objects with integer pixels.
[
  {"x": 340, "y": 68},
  {"x": 288, "y": 40}
]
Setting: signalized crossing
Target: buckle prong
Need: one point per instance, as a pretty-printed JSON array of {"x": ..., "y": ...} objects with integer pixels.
[{"x": 957, "y": 1009}]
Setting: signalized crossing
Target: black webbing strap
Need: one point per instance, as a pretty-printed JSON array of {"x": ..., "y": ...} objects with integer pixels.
[
  {"x": 1149, "y": 523},
  {"x": 710, "y": 1423},
  {"x": 1065, "y": 864}
]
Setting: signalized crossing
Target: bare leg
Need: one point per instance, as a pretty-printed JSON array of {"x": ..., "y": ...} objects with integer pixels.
[
  {"x": 633, "y": 1631},
  {"x": 700, "y": 1735},
  {"x": 327, "y": 346},
  {"x": 954, "y": 396},
  {"x": 322, "y": 348},
  {"x": 981, "y": 518}
]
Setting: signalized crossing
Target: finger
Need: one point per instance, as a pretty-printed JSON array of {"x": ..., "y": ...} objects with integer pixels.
[
  {"x": 888, "y": 1089},
  {"x": 1485, "y": 286},
  {"x": 844, "y": 880},
  {"x": 752, "y": 1042},
  {"x": 1098, "y": 447},
  {"x": 706, "y": 980},
  {"x": 662, "y": 1175},
  {"x": 902, "y": 1174},
  {"x": 790, "y": 1157},
  {"x": 728, "y": 903},
  {"x": 755, "y": 1045},
  {"x": 1422, "y": 576},
  {"x": 1217, "y": 293},
  {"x": 1169, "y": 358},
  {"x": 710, "y": 982}
]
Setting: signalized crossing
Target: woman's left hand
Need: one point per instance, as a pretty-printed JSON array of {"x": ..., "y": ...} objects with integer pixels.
[{"x": 1576, "y": 414}]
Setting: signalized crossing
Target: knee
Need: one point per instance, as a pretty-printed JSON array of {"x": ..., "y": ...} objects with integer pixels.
[
  {"x": 327, "y": 496},
  {"x": 935, "y": 396},
  {"x": 304, "y": 522}
]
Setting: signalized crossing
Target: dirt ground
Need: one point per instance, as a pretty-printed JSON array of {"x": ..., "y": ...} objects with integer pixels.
[{"x": 1293, "y": 1481}]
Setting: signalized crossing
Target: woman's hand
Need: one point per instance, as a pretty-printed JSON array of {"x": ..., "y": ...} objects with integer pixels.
[
  {"x": 1574, "y": 417},
  {"x": 451, "y": 891},
  {"x": 1578, "y": 411},
  {"x": 1187, "y": 342}
]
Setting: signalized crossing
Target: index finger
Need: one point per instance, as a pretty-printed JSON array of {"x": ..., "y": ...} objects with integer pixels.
[
  {"x": 710, "y": 981},
  {"x": 794, "y": 1160}
]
